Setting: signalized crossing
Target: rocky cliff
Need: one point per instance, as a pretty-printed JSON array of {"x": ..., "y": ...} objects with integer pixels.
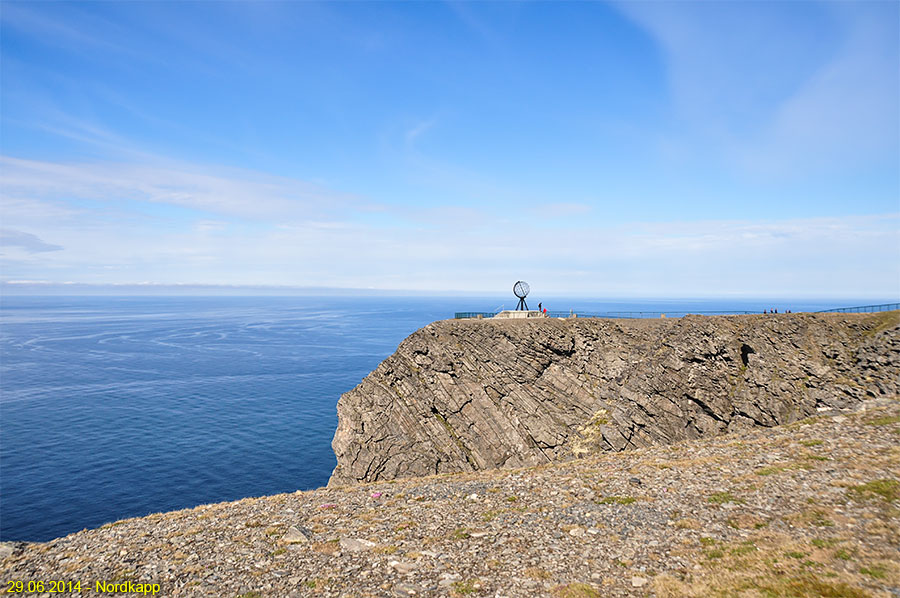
[{"x": 465, "y": 395}]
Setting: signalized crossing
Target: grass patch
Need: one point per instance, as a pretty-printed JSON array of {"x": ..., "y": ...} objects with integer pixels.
[
  {"x": 329, "y": 547},
  {"x": 812, "y": 442},
  {"x": 809, "y": 586},
  {"x": 769, "y": 470},
  {"x": 465, "y": 587},
  {"x": 816, "y": 517},
  {"x": 772, "y": 565},
  {"x": 687, "y": 523},
  {"x": 876, "y": 571},
  {"x": 537, "y": 573},
  {"x": 720, "y": 498},
  {"x": 744, "y": 548},
  {"x": 575, "y": 590},
  {"x": 618, "y": 500},
  {"x": 887, "y": 489},
  {"x": 459, "y": 533},
  {"x": 884, "y": 421},
  {"x": 825, "y": 542},
  {"x": 843, "y": 554}
]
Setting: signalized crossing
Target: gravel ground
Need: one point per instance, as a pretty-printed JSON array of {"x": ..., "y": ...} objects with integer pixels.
[{"x": 809, "y": 509}]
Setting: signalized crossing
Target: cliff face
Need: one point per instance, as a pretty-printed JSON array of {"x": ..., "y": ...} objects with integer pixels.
[{"x": 465, "y": 395}]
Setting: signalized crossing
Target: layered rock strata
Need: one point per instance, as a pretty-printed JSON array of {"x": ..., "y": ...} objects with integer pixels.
[{"x": 466, "y": 395}]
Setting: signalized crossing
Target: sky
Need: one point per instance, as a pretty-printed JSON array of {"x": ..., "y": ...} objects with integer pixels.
[{"x": 637, "y": 149}]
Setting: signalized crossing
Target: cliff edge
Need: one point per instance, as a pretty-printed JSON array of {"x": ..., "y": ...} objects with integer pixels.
[{"x": 467, "y": 395}]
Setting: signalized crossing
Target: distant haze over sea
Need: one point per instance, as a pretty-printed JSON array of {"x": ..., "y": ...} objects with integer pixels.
[{"x": 38, "y": 288}]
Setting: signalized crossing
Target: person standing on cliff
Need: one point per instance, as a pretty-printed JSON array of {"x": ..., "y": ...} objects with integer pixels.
[{"x": 539, "y": 308}]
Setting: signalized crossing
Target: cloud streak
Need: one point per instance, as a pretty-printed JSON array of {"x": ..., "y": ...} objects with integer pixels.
[
  {"x": 26, "y": 241},
  {"x": 782, "y": 93},
  {"x": 231, "y": 192}
]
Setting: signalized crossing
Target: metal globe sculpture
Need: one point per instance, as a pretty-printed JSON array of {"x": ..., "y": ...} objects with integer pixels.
[{"x": 521, "y": 289}]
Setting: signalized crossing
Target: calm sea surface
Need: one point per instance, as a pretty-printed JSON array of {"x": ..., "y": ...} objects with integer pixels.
[{"x": 114, "y": 407}]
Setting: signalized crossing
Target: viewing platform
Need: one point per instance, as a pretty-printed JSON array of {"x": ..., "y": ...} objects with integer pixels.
[
  {"x": 510, "y": 313},
  {"x": 517, "y": 314}
]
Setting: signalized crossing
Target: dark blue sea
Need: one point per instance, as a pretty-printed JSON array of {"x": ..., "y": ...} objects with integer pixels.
[{"x": 114, "y": 407}]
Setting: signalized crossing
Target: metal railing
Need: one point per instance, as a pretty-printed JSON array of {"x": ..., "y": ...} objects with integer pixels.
[
  {"x": 862, "y": 308},
  {"x": 460, "y": 315},
  {"x": 645, "y": 314},
  {"x": 673, "y": 314}
]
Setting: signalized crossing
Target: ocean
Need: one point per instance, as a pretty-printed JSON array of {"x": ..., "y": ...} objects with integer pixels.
[{"x": 115, "y": 407}]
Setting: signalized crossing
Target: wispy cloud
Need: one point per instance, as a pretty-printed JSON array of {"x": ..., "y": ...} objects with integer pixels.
[
  {"x": 778, "y": 90},
  {"x": 413, "y": 133},
  {"x": 26, "y": 241},
  {"x": 847, "y": 113},
  {"x": 21, "y": 17},
  {"x": 230, "y": 192}
]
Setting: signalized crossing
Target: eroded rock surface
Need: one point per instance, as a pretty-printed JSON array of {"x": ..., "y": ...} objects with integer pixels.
[{"x": 466, "y": 395}]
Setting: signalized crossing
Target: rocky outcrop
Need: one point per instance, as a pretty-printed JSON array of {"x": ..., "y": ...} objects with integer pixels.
[{"x": 465, "y": 395}]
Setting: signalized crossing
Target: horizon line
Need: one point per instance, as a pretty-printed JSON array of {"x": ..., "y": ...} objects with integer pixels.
[{"x": 33, "y": 288}]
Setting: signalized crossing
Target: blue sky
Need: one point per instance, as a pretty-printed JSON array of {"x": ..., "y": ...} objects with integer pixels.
[{"x": 635, "y": 149}]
